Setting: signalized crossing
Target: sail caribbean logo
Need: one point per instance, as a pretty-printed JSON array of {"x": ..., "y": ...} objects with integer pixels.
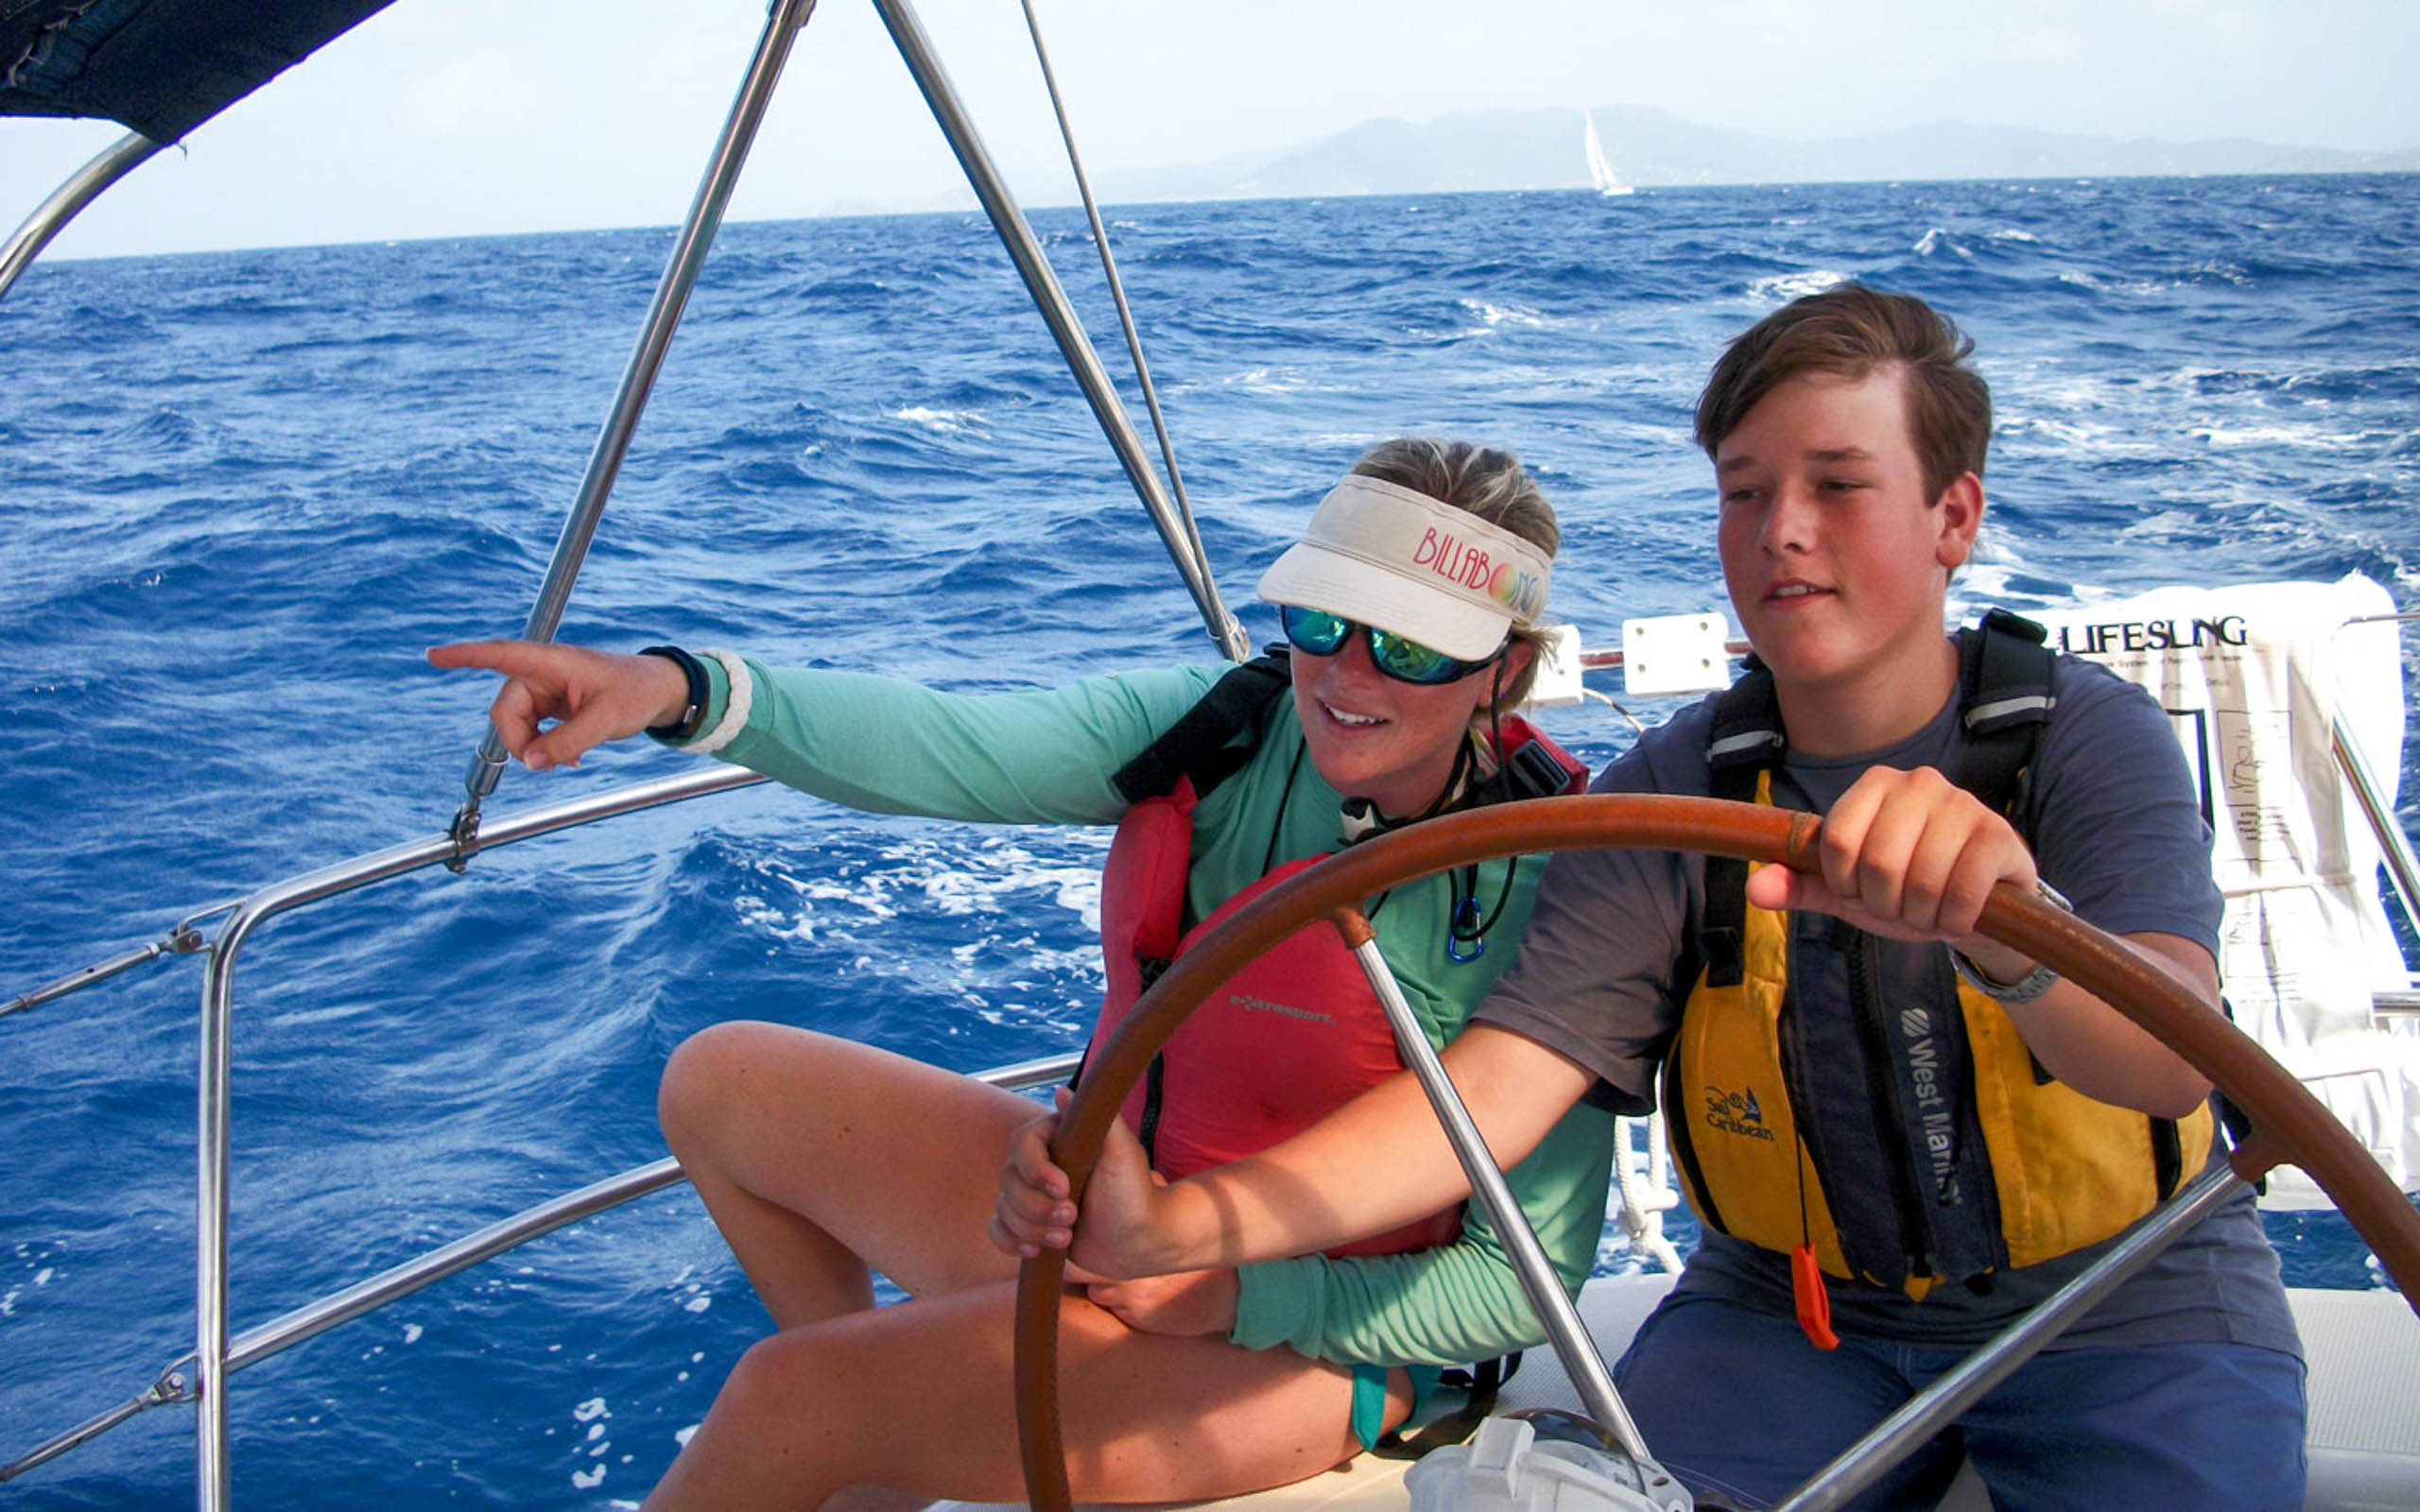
[
  {"x": 1736, "y": 1113},
  {"x": 1472, "y": 568}
]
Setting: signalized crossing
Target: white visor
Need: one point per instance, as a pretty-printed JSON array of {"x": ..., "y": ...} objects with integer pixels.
[{"x": 1394, "y": 558}]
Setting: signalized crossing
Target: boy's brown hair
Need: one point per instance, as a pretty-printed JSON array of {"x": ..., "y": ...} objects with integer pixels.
[{"x": 1850, "y": 331}]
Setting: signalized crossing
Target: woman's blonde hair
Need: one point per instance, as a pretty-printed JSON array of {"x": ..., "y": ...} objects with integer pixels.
[{"x": 1490, "y": 484}]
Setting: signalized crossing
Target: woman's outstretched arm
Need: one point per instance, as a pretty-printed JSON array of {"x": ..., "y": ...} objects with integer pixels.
[{"x": 595, "y": 695}]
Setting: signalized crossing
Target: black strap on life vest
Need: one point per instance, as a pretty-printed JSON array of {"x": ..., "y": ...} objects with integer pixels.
[
  {"x": 1746, "y": 740},
  {"x": 2004, "y": 703},
  {"x": 2005, "y": 670},
  {"x": 1198, "y": 746}
]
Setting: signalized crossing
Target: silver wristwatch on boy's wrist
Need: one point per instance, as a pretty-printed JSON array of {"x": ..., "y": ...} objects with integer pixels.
[{"x": 2024, "y": 989}]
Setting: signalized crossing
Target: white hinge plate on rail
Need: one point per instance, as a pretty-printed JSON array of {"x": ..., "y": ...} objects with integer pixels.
[
  {"x": 1675, "y": 653},
  {"x": 1557, "y": 682}
]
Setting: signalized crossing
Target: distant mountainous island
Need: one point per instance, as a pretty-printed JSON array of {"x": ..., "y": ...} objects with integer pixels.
[{"x": 1648, "y": 148}]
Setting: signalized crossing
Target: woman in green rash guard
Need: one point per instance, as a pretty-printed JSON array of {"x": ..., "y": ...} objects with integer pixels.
[{"x": 1412, "y": 606}]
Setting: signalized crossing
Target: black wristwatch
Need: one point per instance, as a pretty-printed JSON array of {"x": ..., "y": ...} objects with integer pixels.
[{"x": 693, "y": 713}]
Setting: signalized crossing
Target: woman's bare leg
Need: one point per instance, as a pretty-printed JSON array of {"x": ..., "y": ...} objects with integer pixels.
[
  {"x": 819, "y": 1156},
  {"x": 919, "y": 1397}
]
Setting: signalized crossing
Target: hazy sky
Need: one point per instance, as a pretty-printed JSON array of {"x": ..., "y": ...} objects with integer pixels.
[{"x": 446, "y": 117}]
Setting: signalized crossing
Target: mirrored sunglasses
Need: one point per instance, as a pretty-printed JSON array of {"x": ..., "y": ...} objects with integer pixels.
[{"x": 1320, "y": 633}]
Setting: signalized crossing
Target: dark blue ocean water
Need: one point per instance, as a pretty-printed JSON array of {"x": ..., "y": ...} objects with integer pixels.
[{"x": 243, "y": 490}]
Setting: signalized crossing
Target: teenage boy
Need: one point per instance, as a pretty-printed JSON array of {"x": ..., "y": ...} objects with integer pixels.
[{"x": 1898, "y": 1135}]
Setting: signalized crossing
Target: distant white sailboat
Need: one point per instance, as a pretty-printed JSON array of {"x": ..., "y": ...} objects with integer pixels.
[{"x": 1600, "y": 169}]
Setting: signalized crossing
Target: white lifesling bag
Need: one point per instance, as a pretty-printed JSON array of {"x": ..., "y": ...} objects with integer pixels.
[{"x": 2259, "y": 678}]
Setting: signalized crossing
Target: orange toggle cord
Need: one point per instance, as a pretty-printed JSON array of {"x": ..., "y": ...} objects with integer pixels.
[{"x": 1814, "y": 1304}]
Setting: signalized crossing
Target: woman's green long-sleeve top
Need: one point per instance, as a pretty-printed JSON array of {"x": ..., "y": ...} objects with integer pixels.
[{"x": 1047, "y": 757}]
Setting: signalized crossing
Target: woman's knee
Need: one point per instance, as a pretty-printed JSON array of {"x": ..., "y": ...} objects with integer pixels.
[
  {"x": 777, "y": 1418},
  {"x": 776, "y": 1372},
  {"x": 708, "y": 1074},
  {"x": 691, "y": 1077},
  {"x": 849, "y": 1382}
]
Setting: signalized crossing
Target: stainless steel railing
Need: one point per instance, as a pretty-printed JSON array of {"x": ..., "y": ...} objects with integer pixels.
[
  {"x": 217, "y": 1017},
  {"x": 2402, "y": 868},
  {"x": 176, "y": 1381},
  {"x": 201, "y": 1378}
]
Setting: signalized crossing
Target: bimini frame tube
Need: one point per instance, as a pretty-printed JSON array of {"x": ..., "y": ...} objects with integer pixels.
[
  {"x": 82, "y": 187},
  {"x": 1051, "y": 300},
  {"x": 781, "y": 23}
]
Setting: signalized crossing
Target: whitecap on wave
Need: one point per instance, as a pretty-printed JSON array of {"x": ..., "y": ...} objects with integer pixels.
[
  {"x": 1271, "y": 380},
  {"x": 1495, "y": 315},
  {"x": 2308, "y": 437},
  {"x": 1934, "y": 240},
  {"x": 940, "y": 421},
  {"x": 933, "y": 880},
  {"x": 2199, "y": 274},
  {"x": 1780, "y": 288},
  {"x": 2075, "y": 435}
]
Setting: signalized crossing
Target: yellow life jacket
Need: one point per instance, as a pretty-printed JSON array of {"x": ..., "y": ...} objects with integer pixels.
[{"x": 1832, "y": 1088}]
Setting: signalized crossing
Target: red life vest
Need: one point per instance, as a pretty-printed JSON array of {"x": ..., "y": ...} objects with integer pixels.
[{"x": 1276, "y": 1047}]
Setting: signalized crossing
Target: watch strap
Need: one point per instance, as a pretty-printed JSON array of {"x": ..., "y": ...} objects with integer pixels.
[{"x": 692, "y": 711}]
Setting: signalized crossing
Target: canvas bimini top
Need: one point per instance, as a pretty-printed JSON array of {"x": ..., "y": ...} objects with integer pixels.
[{"x": 160, "y": 67}]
